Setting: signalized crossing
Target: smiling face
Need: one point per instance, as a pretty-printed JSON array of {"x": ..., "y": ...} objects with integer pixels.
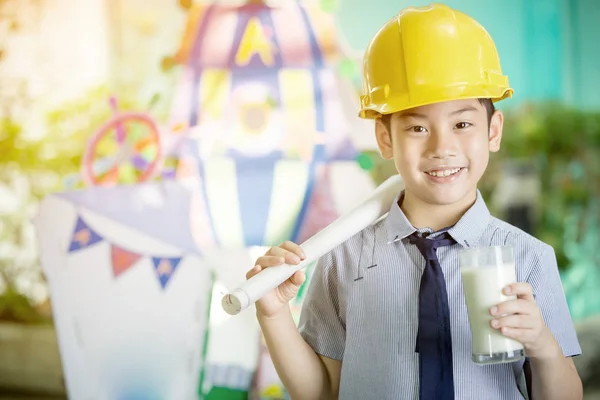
[{"x": 441, "y": 150}]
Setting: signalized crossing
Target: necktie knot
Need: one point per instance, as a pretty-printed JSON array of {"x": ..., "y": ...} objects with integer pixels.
[{"x": 427, "y": 247}]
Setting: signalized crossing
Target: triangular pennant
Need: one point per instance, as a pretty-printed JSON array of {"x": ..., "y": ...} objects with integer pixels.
[
  {"x": 83, "y": 236},
  {"x": 165, "y": 267},
  {"x": 122, "y": 259}
]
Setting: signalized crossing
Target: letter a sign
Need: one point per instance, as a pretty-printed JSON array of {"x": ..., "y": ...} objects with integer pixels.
[{"x": 255, "y": 41}]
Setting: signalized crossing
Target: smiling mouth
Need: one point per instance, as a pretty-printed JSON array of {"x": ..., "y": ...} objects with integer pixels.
[{"x": 442, "y": 173}]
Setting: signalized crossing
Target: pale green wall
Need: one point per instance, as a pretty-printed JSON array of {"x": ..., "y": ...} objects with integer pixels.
[
  {"x": 583, "y": 85},
  {"x": 550, "y": 49}
]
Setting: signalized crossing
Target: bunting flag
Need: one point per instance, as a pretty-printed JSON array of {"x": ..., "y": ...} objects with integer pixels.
[
  {"x": 121, "y": 259},
  {"x": 165, "y": 267},
  {"x": 83, "y": 236}
]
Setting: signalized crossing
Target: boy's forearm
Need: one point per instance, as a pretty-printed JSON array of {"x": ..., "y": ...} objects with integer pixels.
[
  {"x": 555, "y": 377},
  {"x": 300, "y": 369}
]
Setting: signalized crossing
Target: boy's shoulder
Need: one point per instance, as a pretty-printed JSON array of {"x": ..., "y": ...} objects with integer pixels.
[
  {"x": 529, "y": 252},
  {"x": 372, "y": 235},
  {"x": 501, "y": 232}
]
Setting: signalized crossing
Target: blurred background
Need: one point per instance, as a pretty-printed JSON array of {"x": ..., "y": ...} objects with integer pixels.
[{"x": 102, "y": 99}]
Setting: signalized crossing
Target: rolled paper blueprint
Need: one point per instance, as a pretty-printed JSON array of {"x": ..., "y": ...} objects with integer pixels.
[{"x": 340, "y": 230}]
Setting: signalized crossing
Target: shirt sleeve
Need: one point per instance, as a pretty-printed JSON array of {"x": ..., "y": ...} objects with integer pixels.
[
  {"x": 321, "y": 324},
  {"x": 550, "y": 298}
]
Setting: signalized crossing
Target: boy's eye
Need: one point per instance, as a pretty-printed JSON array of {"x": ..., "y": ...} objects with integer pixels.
[
  {"x": 463, "y": 125},
  {"x": 418, "y": 129}
]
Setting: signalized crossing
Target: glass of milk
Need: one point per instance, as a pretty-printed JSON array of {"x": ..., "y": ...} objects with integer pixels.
[{"x": 485, "y": 272}]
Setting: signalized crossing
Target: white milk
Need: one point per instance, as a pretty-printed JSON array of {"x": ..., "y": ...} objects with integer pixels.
[{"x": 483, "y": 289}]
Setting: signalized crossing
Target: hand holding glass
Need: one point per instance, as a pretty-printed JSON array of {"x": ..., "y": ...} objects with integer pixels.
[{"x": 485, "y": 272}]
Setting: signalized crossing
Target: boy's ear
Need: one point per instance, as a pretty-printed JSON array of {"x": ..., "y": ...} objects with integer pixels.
[
  {"x": 496, "y": 125},
  {"x": 384, "y": 139}
]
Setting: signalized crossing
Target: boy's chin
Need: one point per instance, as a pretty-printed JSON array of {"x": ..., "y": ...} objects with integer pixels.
[{"x": 447, "y": 195}]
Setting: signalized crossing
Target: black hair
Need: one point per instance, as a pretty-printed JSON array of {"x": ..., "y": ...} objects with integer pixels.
[
  {"x": 489, "y": 107},
  {"x": 386, "y": 119}
]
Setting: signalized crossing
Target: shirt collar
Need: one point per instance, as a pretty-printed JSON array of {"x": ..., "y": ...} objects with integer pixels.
[
  {"x": 397, "y": 225},
  {"x": 467, "y": 231}
]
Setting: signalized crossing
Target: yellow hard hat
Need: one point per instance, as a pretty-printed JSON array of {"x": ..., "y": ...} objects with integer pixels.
[{"x": 427, "y": 55}]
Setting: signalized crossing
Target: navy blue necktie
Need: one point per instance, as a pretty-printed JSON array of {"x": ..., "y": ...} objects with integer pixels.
[{"x": 434, "y": 342}]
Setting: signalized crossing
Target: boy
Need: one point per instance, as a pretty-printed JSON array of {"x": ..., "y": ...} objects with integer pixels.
[{"x": 378, "y": 321}]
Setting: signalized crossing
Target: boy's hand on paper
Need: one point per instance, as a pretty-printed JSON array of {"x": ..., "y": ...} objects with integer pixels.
[
  {"x": 274, "y": 301},
  {"x": 521, "y": 319}
]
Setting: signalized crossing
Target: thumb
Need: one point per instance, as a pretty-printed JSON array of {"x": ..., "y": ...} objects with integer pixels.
[{"x": 289, "y": 288}]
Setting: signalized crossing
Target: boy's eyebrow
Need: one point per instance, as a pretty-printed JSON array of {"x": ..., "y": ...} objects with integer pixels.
[
  {"x": 462, "y": 110},
  {"x": 412, "y": 114},
  {"x": 417, "y": 115}
]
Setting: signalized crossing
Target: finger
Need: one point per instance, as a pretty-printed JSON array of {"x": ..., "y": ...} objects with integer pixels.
[
  {"x": 522, "y": 290},
  {"x": 520, "y": 335},
  {"x": 290, "y": 257},
  {"x": 294, "y": 248},
  {"x": 514, "y": 321},
  {"x": 269, "y": 261},
  {"x": 298, "y": 278},
  {"x": 517, "y": 306},
  {"x": 255, "y": 270}
]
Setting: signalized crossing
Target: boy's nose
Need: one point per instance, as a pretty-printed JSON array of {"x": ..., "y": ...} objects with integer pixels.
[{"x": 442, "y": 145}]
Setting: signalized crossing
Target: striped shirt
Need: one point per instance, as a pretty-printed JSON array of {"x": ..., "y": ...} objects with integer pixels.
[{"x": 362, "y": 307}]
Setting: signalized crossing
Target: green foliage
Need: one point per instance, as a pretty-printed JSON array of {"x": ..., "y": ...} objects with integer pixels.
[
  {"x": 563, "y": 144},
  {"x": 16, "y": 307},
  {"x": 582, "y": 279}
]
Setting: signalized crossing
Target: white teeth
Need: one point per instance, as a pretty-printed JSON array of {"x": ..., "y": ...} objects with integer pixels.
[{"x": 446, "y": 172}]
